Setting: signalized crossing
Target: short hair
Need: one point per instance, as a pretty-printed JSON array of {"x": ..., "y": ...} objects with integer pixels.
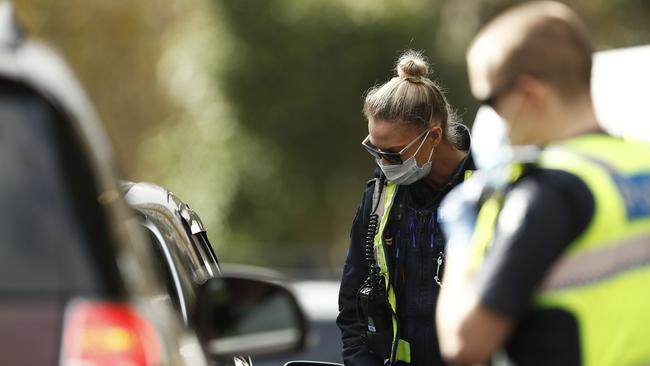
[
  {"x": 544, "y": 39},
  {"x": 411, "y": 98}
]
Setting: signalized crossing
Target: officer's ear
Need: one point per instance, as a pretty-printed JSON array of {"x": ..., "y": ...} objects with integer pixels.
[
  {"x": 436, "y": 135},
  {"x": 535, "y": 91}
]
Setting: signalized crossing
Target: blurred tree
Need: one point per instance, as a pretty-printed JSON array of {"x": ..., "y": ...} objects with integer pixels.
[
  {"x": 288, "y": 81},
  {"x": 296, "y": 81},
  {"x": 258, "y": 124},
  {"x": 113, "y": 47},
  {"x": 267, "y": 146}
]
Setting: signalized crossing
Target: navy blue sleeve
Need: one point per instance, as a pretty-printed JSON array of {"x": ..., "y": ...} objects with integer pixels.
[
  {"x": 355, "y": 271},
  {"x": 542, "y": 214}
]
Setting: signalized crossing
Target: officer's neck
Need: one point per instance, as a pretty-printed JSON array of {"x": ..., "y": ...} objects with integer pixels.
[
  {"x": 445, "y": 160},
  {"x": 570, "y": 120}
]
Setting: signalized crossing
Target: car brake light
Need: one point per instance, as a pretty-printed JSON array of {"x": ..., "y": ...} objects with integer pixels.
[{"x": 105, "y": 333}]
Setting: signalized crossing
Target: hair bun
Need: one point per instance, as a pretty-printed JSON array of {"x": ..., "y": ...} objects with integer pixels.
[{"x": 412, "y": 66}]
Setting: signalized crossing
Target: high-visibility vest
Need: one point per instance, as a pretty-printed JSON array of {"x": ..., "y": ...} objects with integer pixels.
[
  {"x": 400, "y": 349},
  {"x": 603, "y": 277}
]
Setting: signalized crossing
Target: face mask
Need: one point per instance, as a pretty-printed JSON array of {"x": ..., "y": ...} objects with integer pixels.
[
  {"x": 491, "y": 149},
  {"x": 408, "y": 172}
]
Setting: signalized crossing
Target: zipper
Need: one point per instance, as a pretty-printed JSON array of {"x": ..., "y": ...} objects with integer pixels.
[
  {"x": 421, "y": 238},
  {"x": 437, "y": 249}
]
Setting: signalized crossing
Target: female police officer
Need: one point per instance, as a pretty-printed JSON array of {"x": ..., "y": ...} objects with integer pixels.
[{"x": 392, "y": 273}]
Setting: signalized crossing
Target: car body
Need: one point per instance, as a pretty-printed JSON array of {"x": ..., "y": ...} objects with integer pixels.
[
  {"x": 76, "y": 283},
  {"x": 184, "y": 255}
]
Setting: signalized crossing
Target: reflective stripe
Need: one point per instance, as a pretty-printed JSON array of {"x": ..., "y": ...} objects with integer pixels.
[
  {"x": 385, "y": 204},
  {"x": 403, "y": 351},
  {"x": 584, "y": 268},
  {"x": 468, "y": 174},
  {"x": 484, "y": 230}
]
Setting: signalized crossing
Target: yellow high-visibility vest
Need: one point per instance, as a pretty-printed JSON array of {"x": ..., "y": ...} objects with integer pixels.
[
  {"x": 400, "y": 349},
  {"x": 603, "y": 277}
]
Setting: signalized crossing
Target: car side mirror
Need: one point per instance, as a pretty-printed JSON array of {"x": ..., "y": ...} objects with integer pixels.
[{"x": 238, "y": 315}]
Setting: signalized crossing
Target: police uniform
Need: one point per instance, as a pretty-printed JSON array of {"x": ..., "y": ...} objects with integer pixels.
[
  {"x": 408, "y": 247},
  {"x": 564, "y": 252}
]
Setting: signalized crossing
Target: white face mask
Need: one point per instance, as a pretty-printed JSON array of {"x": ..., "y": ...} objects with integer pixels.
[
  {"x": 491, "y": 149},
  {"x": 408, "y": 172}
]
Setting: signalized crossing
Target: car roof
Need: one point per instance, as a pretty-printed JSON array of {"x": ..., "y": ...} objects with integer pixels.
[
  {"x": 152, "y": 201},
  {"x": 31, "y": 63},
  {"x": 148, "y": 193}
]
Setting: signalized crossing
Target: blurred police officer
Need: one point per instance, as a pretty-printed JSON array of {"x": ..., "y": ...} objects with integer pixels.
[{"x": 559, "y": 264}]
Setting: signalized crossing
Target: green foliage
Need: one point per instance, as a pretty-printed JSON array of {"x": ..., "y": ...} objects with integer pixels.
[
  {"x": 113, "y": 47},
  {"x": 296, "y": 81},
  {"x": 285, "y": 81},
  {"x": 258, "y": 124},
  {"x": 268, "y": 149}
]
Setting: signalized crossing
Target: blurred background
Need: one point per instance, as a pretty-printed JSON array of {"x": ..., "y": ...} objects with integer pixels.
[{"x": 249, "y": 110}]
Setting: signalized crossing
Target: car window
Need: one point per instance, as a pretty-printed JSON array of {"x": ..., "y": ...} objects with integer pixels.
[
  {"x": 167, "y": 272},
  {"x": 203, "y": 239},
  {"x": 210, "y": 267},
  {"x": 51, "y": 218},
  {"x": 174, "y": 240}
]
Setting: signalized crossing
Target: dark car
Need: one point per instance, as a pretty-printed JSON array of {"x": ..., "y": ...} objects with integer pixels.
[
  {"x": 78, "y": 284},
  {"x": 74, "y": 283},
  {"x": 184, "y": 254}
]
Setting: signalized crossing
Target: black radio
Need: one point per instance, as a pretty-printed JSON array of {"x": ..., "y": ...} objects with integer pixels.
[
  {"x": 375, "y": 315},
  {"x": 374, "y": 310}
]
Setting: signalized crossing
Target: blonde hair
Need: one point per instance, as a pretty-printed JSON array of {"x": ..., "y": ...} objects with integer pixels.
[{"x": 411, "y": 98}]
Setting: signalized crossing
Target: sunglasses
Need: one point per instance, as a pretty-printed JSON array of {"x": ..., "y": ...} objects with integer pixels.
[
  {"x": 491, "y": 100},
  {"x": 394, "y": 158}
]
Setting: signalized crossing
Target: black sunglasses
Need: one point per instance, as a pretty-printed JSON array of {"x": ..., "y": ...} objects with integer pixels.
[
  {"x": 391, "y": 157},
  {"x": 491, "y": 99}
]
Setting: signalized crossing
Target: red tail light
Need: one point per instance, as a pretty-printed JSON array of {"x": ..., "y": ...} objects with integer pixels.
[{"x": 104, "y": 333}]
